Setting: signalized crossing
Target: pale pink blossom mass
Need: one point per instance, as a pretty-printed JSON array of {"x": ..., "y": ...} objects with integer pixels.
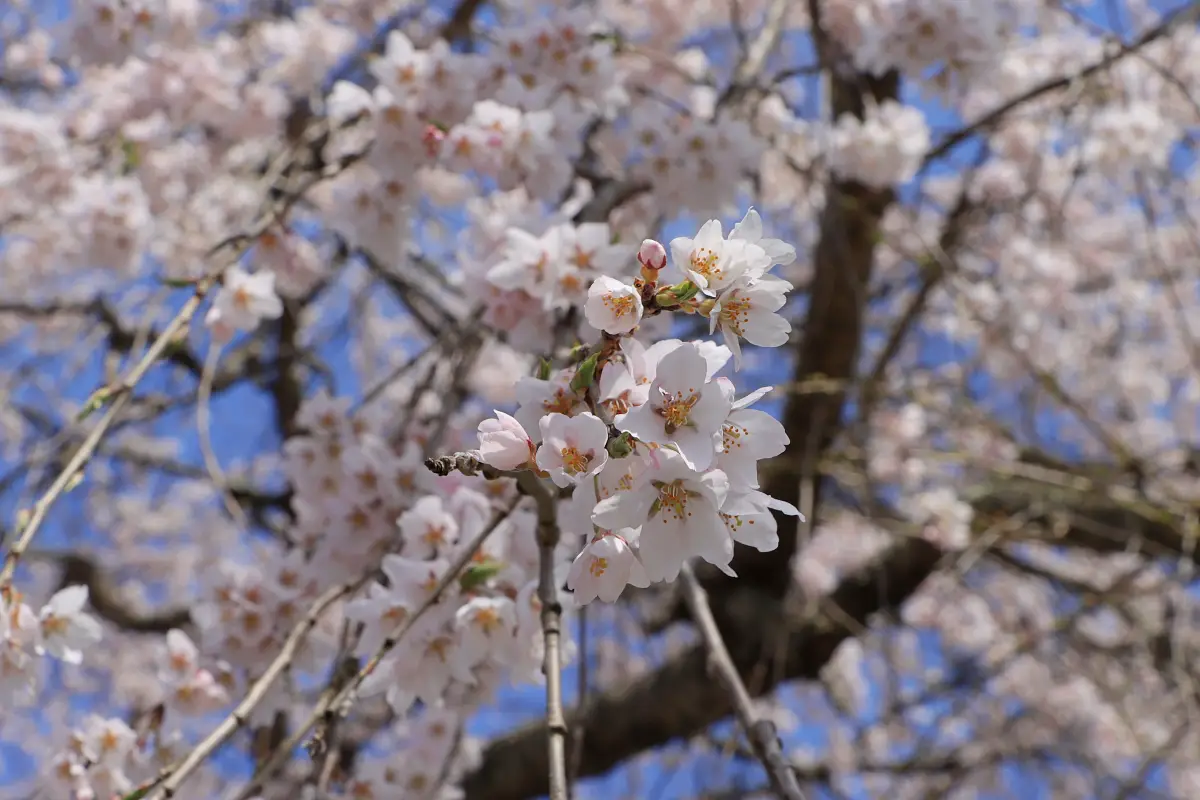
[{"x": 393, "y": 390}]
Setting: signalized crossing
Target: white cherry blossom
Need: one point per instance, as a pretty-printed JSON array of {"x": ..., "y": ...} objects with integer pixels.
[
  {"x": 66, "y": 629},
  {"x": 747, "y": 310},
  {"x": 573, "y": 448},
  {"x": 713, "y": 262},
  {"x": 503, "y": 443},
  {"x": 747, "y": 437},
  {"x": 605, "y": 567},
  {"x": 613, "y": 306},
  {"x": 747, "y": 516},
  {"x": 428, "y": 528},
  {"x": 750, "y": 230},
  {"x": 486, "y": 627},
  {"x": 243, "y": 301},
  {"x": 537, "y": 398},
  {"x": 683, "y": 408},
  {"x": 678, "y": 511}
]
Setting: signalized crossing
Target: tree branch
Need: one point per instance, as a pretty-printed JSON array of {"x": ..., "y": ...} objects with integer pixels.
[{"x": 761, "y": 732}]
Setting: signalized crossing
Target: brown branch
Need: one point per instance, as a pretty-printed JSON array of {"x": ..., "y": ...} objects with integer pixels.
[
  {"x": 106, "y": 601},
  {"x": 458, "y": 27}
]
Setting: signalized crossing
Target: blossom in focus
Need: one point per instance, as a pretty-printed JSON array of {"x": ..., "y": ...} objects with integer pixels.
[
  {"x": 573, "y": 448},
  {"x": 613, "y": 306},
  {"x": 747, "y": 310},
  {"x": 747, "y": 515},
  {"x": 503, "y": 442},
  {"x": 605, "y": 567},
  {"x": 747, "y": 437},
  {"x": 684, "y": 409},
  {"x": 750, "y": 230},
  {"x": 678, "y": 511},
  {"x": 712, "y": 262}
]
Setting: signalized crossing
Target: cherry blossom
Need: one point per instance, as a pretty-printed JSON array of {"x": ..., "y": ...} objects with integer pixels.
[
  {"x": 683, "y": 408},
  {"x": 243, "y": 301},
  {"x": 747, "y": 310},
  {"x": 713, "y": 262},
  {"x": 66, "y": 630},
  {"x": 428, "y": 528},
  {"x": 678, "y": 512},
  {"x": 573, "y": 448},
  {"x": 605, "y": 567},
  {"x": 503, "y": 442},
  {"x": 612, "y": 306}
]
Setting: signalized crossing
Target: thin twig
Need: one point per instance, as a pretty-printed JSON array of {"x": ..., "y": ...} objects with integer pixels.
[
  {"x": 204, "y": 430},
  {"x": 237, "y": 718},
  {"x": 761, "y": 732}
]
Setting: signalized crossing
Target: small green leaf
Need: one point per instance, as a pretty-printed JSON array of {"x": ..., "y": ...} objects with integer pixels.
[
  {"x": 544, "y": 369},
  {"x": 621, "y": 446},
  {"x": 480, "y": 573},
  {"x": 133, "y": 158},
  {"x": 578, "y": 353},
  {"x": 139, "y": 793},
  {"x": 585, "y": 374},
  {"x": 178, "y": 283},
  {"x": 685, "y": 291}
]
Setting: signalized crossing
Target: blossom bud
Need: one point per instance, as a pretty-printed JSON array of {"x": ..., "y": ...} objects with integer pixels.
[
  {"x": 620, "y": 446},
  {"x": 503, "y": 443},
  {"x": 653, "y": 257},
  {"x": 432, "y": 139}
]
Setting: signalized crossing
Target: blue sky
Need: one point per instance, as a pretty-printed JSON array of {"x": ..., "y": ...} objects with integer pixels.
[{"x": 246, "y": 427}]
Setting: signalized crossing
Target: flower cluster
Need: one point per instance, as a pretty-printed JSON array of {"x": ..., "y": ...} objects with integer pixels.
[
  {"x": 98, "y": 761},
  {"x": 881, "y": 150},
  {"x": 659, "y": 453},
  {"x": 61, "y": 629}
]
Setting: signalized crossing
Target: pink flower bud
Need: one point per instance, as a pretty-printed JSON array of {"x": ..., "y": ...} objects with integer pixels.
[
  {"x": 433, "y": 138},
  {"x": 503, "y": 443},
  {"x": 652, "y": 255}
]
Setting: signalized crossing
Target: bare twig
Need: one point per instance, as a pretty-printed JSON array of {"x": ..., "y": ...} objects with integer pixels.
[
  {"x": 761, "y": 732},
  {"x": 204, "y": 429}
]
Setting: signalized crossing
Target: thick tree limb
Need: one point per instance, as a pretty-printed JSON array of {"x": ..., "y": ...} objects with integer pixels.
[{"x": 79, "y": 570}]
